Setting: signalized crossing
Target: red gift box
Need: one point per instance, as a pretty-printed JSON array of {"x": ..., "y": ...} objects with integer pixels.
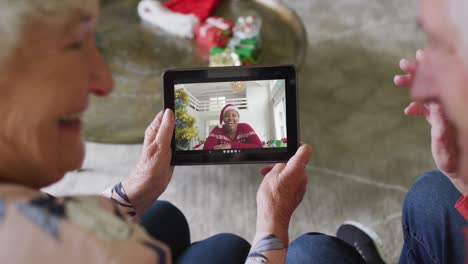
[{"x": 214, "y": 32}]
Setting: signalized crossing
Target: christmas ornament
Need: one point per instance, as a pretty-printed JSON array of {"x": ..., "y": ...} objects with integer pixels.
[
  {"x": 214, "y": 32},
  {"x": 247, "y": 27}
]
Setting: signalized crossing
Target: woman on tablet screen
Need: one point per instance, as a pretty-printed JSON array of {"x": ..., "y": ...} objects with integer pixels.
[{"x": 230, "y": 134}]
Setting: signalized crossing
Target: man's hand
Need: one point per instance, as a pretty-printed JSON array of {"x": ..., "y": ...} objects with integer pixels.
[
  {"x": 280, "y": 193},
  {"x": 444, "y": 143},
  {"x": 153, "y": 172}
]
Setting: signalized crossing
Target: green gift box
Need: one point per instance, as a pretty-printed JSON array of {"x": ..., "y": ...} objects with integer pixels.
[
  {"x": 247, "y": 49},
  {"x": 246, "y": 52},
  {"x": 251, "y": 42},
  {"x": 277, "y": 144},
  {"x": 217, "y": 50}
]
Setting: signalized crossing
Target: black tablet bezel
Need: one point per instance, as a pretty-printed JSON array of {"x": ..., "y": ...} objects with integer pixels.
[{"x": 229, "y": 74}]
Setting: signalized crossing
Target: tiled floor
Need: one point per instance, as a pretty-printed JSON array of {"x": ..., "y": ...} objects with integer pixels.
[{"x": 367, "y": 153}]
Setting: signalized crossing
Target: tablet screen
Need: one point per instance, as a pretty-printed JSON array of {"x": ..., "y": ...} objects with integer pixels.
[{"x": 231, "y": 117}]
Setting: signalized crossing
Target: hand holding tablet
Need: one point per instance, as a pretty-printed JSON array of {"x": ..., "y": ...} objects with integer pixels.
[{"x": 232, "y": 114}]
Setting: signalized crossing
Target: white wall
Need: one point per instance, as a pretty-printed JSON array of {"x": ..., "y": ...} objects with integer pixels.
[
  {"x": 260, "y": 109},
  {"x": 278, "y": 94},
  {"x": 204, "y": 117}
]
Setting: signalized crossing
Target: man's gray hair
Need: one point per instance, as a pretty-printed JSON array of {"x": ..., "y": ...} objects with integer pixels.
[
  {"x": 15, "y": 13},
  {"x": 458, "y": 12}
]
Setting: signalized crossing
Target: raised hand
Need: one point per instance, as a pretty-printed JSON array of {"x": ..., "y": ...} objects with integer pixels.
[{"x": 444, "y": 143}]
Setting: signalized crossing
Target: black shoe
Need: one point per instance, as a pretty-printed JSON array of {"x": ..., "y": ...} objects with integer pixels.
[{"x": 361, "y": 239}]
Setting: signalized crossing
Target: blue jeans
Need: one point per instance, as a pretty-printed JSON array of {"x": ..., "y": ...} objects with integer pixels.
[
  {"x": 432, "y": 227},
  {"x": 166, "y": 223},
  {"x": 319, "y": 248}
]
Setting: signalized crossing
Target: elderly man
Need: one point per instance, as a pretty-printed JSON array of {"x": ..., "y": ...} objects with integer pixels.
[
  {"x": 435, "y": 210},
  {"x": 433, "y": 229}
]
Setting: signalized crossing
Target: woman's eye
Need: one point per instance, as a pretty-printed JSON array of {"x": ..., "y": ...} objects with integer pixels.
[{"x": 75, "y": 45}]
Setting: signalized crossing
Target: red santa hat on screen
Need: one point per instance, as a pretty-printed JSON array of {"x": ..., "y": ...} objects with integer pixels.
[{"x": 226, "y": 108}]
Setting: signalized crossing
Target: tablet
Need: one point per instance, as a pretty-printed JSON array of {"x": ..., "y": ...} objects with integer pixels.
[{"x": 232, "y": 115}]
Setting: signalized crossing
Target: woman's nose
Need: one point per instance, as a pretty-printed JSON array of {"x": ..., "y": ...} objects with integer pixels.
[{"x": 101, "y": 83}]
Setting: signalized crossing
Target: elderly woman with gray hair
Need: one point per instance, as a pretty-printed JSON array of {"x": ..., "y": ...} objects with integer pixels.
[{"x": 49, "y": 66}]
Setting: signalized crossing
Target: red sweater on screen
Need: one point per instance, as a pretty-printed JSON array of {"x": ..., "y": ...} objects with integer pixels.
[{"x": 245, "y": 138}]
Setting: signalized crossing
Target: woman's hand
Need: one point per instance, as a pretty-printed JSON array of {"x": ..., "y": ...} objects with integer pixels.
[
  {"x": 280, "y": 193},
  {"x": 223, "y": 146},
  {"x": 444, "y": 143},
  {"x": 153, "y": 172}
]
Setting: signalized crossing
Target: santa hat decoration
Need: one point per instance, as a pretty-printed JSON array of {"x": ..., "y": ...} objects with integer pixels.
[
  {"x": 199, "y": 8},
  {"x": 178, "y": 17},
  {"x": 224, "y": 110}
]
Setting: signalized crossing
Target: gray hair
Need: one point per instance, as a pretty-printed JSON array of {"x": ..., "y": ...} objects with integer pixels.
[
  {"x": 14, "y": 15},
  {"x": 458, "y": 12}
]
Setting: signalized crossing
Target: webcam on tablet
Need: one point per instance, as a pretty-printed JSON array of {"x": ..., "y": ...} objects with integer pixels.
[{"x": 233, "y": 115}]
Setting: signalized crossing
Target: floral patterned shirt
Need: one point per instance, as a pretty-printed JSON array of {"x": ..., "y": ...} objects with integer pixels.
[{"x": 38, "y": 228}]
